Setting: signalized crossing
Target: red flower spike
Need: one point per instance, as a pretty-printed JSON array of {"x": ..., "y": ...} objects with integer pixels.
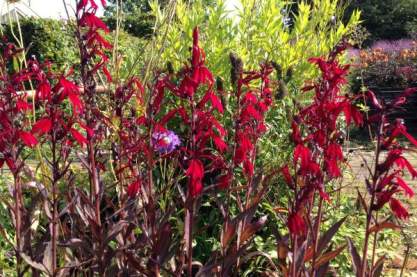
[
  {"x": 196, "y": 188},
  {"x": 404, "y": 163},
  {"x": 28, "y": 139},
  {"x": 248, "y": 168},
  {"x": 195, "y": 169},
  {"x": 216, "y": 103},
  {"x": 42, "y": 126},
  {"x": 333, "y": 168},
  {"x": 89, "y": 131},
  {"x": 334, "y": 151}
]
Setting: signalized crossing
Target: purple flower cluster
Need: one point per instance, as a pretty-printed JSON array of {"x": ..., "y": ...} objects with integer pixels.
[
  {"x": 393, "y": 45},
  {"x": 165, "y": 142}
]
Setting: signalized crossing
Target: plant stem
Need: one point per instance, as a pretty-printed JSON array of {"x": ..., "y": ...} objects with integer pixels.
[
  {"x": 294, "y": 254},
  {"x": 407, "y": 254},
  {"x": 189, "y": 238},
  {"x": 54, "y": 207},
  {"x": 374, "y": 242},
  {"x": 370, "y": 206},
  {"x": 317, "y": 235},
  {"x": 18, "y": 218}
]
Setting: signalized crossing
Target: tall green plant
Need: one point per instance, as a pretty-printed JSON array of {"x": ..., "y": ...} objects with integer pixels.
[{"x": 256, "y": 31}]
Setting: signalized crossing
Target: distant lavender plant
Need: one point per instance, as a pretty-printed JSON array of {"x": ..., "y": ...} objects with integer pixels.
[
  {"x": 353, "y": 53},
  {"x": 393, "y": 45},
  {"x": 165, "y": 142}
]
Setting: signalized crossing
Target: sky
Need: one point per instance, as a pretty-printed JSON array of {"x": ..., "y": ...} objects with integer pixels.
[
  {"x": 55, "y": 8},
  {"x": 44, "y": 8}
]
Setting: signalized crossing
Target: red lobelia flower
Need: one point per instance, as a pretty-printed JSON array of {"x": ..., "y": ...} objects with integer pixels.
[
  {"x": 42, "y": 126},
  {"x": 195, "y": 172},
  {"x": 133, "y": 189},
  {"x": 398, "y": 209},
  {"x": 28, "y": 139},
  {"x": 78, "y": 137},
  {"x": 296, "y": 224}
]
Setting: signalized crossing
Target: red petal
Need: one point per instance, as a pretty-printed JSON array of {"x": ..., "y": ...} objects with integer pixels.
[
  {"x": 296, "y": 224},
  {"x": 42, "y": 126},
  {"x": 133, "y": 189},
  {"x": 398, "y": 209},
  {"x": 224, "y": 181},
  {"x": 220, "y": 144},
  {"x": 92, "y": 21},
  {"x": 22, "y": 105},
  {"x": 196, "y": 188},
  {"x": 28, "y": 139},
  {"x": 195, "y": 169},
  {"x": 78, "y": 137},
  {"x": 409, "y": 191},
  {"x": 287, "y": 176},
  {"x": 248, "y": 167},
  {"x": 76, "y": 102},
  {"x": 107, "y": 74},
  {"x": 216, "y": 103}
]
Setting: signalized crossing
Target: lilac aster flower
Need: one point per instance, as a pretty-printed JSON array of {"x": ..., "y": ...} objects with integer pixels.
[{"x": 165, "y": 142}]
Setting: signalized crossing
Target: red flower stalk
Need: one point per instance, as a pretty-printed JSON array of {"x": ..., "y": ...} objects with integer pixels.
[
  {"x": 387, "y": 175},
  {"x": 318, "y": 152}
]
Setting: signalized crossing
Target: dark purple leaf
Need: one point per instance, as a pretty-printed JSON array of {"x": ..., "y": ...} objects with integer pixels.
[
  {"x": 356, "y": 259},
  {"x": 327, "y": 237}
]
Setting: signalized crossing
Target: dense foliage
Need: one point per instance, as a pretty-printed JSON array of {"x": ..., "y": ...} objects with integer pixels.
[
  {"x": 46, "y": 39},
  {"x": 169, "y": 163},
  {"x": 388, "y": 20}
]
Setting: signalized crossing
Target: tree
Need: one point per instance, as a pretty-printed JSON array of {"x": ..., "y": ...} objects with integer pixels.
[
  {"x": 136, "y": 16},
  {"x": 388, "y": 19}
]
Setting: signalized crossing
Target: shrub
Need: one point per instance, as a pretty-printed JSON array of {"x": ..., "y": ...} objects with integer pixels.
[
  {"x": 386, "y": 64},
  {"x": 53, "y": 40},
  {"x": 386, "y": 20},
  {"x": 47, "y": 39}
]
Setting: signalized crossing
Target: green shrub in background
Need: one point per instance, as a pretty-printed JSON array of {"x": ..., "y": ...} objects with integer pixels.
[
  {"x": 134, "y": 15},
  {"x": 53, "y": 40},
  {"x": 46, "y": 39},
  {"x": 387, "y": 19}
]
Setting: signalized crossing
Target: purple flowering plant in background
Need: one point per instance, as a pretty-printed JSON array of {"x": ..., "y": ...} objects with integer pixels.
[
  {"x": 164, "y": 142},
  {"x": 393, "y": 45}
]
